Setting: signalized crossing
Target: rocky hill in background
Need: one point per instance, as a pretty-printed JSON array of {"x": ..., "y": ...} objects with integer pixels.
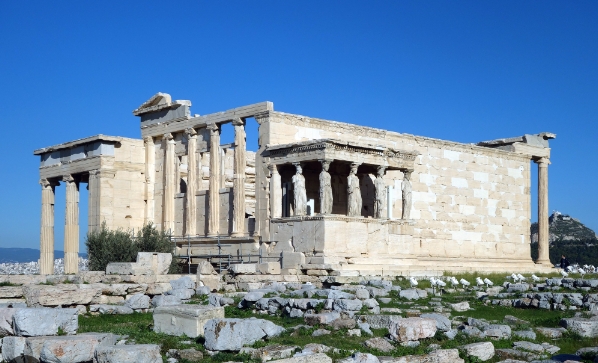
[{"x": 569, "y": 237}]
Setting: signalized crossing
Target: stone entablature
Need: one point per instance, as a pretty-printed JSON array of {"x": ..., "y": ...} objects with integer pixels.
[{"x": 331, "y": 149}]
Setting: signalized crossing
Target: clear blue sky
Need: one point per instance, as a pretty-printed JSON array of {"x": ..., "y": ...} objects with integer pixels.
[{"x": 465, "y": 71}]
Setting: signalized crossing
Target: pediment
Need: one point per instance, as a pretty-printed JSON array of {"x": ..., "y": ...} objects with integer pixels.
[{"x": 155, "y": 103}]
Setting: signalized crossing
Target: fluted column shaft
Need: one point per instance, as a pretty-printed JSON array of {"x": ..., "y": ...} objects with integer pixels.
[
  {"x": 275, "y": 192},
  {"x": 47, "y": 229},
  {"x": 214, "y": 196},
  {"x": 71, "y": 226},
  {"x": 543, "y": 246},
  {"x": 190, "y": 204},
  {"x": 169, "y": 185},
  {"x": 150, "y": 178},
  {"x": 239, "y": 179}
]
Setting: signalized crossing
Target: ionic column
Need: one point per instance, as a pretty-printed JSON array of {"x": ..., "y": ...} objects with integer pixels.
[
  {"x": 543, "y": 255},
  {"x": 239, "y": 180},
  {"x": 169, "y": 185},
  {"x": 275, "y": 192},
  {"x": 150, "y": 178},
  {"x": 46, "y": 240},
  {"x": 191, "y": 209},
  {"x": 71, "y": 226},
  {"x": 214, "y": 196},
  {"x": 93, "y": 210}
]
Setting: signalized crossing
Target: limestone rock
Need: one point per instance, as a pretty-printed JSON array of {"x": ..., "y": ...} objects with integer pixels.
[
  {"x": 379, "y": 344},
  {"x": 6, "y": 316},
  {"x": 311, "y": 358},
  {"x": 183, "y": 294},
  {"x": 60, "y": 295},
  {"x": 165, "y": 300},
  {"x": 437, "y": 356},
  {"x": 442, "y": 322},
  {"x": 71, "y": 349},
  {"x": 378, "y": 321},
  {"x": 205, "y": 268},
  {"x": 7, "y": 292},
  {"x": 483, "y": 351},
  {"x": 13, "y": 348},
  {"x": 462, "y": 306},
  {"x": 138, "y": 301},
  {"x": 411, "y": 329},
  {"x": 273, "y": 352},
  {"x": 347, "y": 305},
  {"x": 111, "y": 309},
  {"x": 584, "y": 327},
  {"x": 45, "y": 321},
  {"x": 143, "y": 353},
  {"x": 189, "y": 320},
  {"x": 233, "y": 334},
  {"x": 184, "y": 282},
  {"x": 322, "y": 318},
  {"x": 190, "y": 355}
]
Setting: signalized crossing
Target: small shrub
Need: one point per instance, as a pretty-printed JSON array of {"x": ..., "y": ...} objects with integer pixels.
[{"x": 105, "y": 246}]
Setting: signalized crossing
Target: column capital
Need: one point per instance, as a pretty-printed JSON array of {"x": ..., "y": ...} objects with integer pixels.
[
  {"x": 238, "y": 122},
  {"x": 326, "y": 161},
  {"x": 190, "y": 132},
  {"x": 542, "y": 162},
  {"x": 213, "y": 127},
  {"x": 168, "y": 136},
  {"x": 68, "y": 178},
  {"x": 148, "y": 139},
  {"x": 273, "y": 168},
  {"x": 46, "y": 183},
  {"x": 381, "y": 170}
]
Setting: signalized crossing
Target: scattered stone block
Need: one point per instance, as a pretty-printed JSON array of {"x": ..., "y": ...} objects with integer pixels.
[
  {"x": 460, "y": 307},
  {"x": 158, "y": 288},
  {"x": 587, "y": 328},
  {"x": 190, "y": 355},
  {"x": 158, "y": 263},
  {"x": 379, "y": 344},
  {"x": 442, "y": 322},
  {"x": 185, "y": 319},
  {"x": 243, "y": 268},
  {"x": 270, "y": 268},
  {"x": 183, "y": 283},
  {"x": 6, "y": 325},
  {"x": 111, "y": 309},
  {"x": 13, "y": 348},
  {"x": 71, "y": 349},
  {"x": 60, "y": 295},
  {"x": 320, "y": 332},
  {"x": 45, "y": 321},
  {"x": 138, "y": 301},
  {"x": 127, "y": 268},
  {"x": 483, "y": 351},
  {"x": 311, "y": 358},
  {"x": 11, "y": 292},
  {"x": 273, "y": 352},
  {"x": 322, "y": 318},
  {"x": 233, "y": 334},
  {"x": 165, "y": 300},
  {"x": 142, "y": 353},
  {"x": 412, "y": 329}
]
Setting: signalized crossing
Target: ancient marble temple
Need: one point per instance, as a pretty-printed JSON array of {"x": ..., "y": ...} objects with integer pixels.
[{"x": 317, "y": 197}]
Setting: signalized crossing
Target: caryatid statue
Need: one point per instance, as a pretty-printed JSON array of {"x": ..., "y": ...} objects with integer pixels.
[
  {"x": 325, "y": 188},
  {"x": 406, "y": 189},
  {"x": 299, "y": 192},
  {"x": 381, "y": 199},
  {"x": 354, "y": 193}
]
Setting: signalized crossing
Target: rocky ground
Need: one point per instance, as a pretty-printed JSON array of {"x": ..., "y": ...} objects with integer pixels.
[
  {"x": 551, "y": 320},
  {"x": 32, "y": 268}
]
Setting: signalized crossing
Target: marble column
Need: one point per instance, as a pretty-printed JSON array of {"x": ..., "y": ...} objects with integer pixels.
[
  {"x": 93, "y": 210},
  {"x": 214, "y": 196},
  {"x": 169, "y": 184},
  {"x": 239, "y": 179},
  {"x": 275, "y": 192},
  {"x": 71, "y": 226},
  {"x": 190, "y": 202},
  {"x": 407, "y": 190},
  {"x": 354, "y": 202},
  {"x": 150, "y": 178},
  {"x": 46, "y": 240},
  {"x": 381, "y": 196},
  {"x": 543, "y": 253}
]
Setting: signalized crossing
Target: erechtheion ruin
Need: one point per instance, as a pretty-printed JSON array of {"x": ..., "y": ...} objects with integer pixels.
[{"x": 317, "y": 197}]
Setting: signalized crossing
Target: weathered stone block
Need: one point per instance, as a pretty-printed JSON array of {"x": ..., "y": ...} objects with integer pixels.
[
  {"x": 127, "y": 268},
  {"x": 45, "y": 321},
  {"x": 185, "y": 319},
  {"x": 12, "y": 349},
  {"x": 8, "y": 292},
  {"x": 183, "y": 283},
  {"x": 165, "y": 300},
  {"x": 244, "y": 268},
  {"x": 411, "y": 329},
  {"x": 292, "y": 260},
  {"x": 584, "y": 327},
  {"x": 111, "y": 309},
  {"x": 6, "y": 316},
  {"x": 233, "y": 334},
  {"x": 143, "y": 353},
  {"x": 311, "y": 358},
  {"x": 159, "y": 263},
  {"x": 138, "y": 301},
  {"x": 73, "y": 349},
  {"x": 60, "y": 295},
  {"x": 483, "y": 351},
  {"x": 270, "y": 268}
]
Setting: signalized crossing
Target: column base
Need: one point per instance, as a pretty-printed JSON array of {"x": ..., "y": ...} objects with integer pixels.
[
  {"x": 544, "y": 262},
  {"x": 238, "y": 234}
]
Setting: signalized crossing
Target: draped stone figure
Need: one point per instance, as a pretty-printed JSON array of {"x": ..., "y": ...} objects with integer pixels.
[
  {"x": 406, "y": 189},
  {"x": 325, "y": 188},
  {"x": 354, "y": 193},
  {"x": 299, "y": 192},
  {"x": 380, "y": 202}
]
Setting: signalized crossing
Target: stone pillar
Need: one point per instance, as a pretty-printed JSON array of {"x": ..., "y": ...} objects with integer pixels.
[
  {"x": 275, "y": 192},
  {"x": 543, "y": 255},
  {"x": 381, "y": 199},
  {"x": 93, "y": 210},
  {"x": 326, "y": 198},
  {"x": 71, "y": 226},
  {"x": 190, "y": 202},
  {"x": 46, "y": 240},
  {"x": 169, "y": 184},
  {"x": 150, "y": 178},
  {"x": 354, "y": 202},
  {"x": 214, "y": 196},
  {"x": 239, "y": 179}
]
